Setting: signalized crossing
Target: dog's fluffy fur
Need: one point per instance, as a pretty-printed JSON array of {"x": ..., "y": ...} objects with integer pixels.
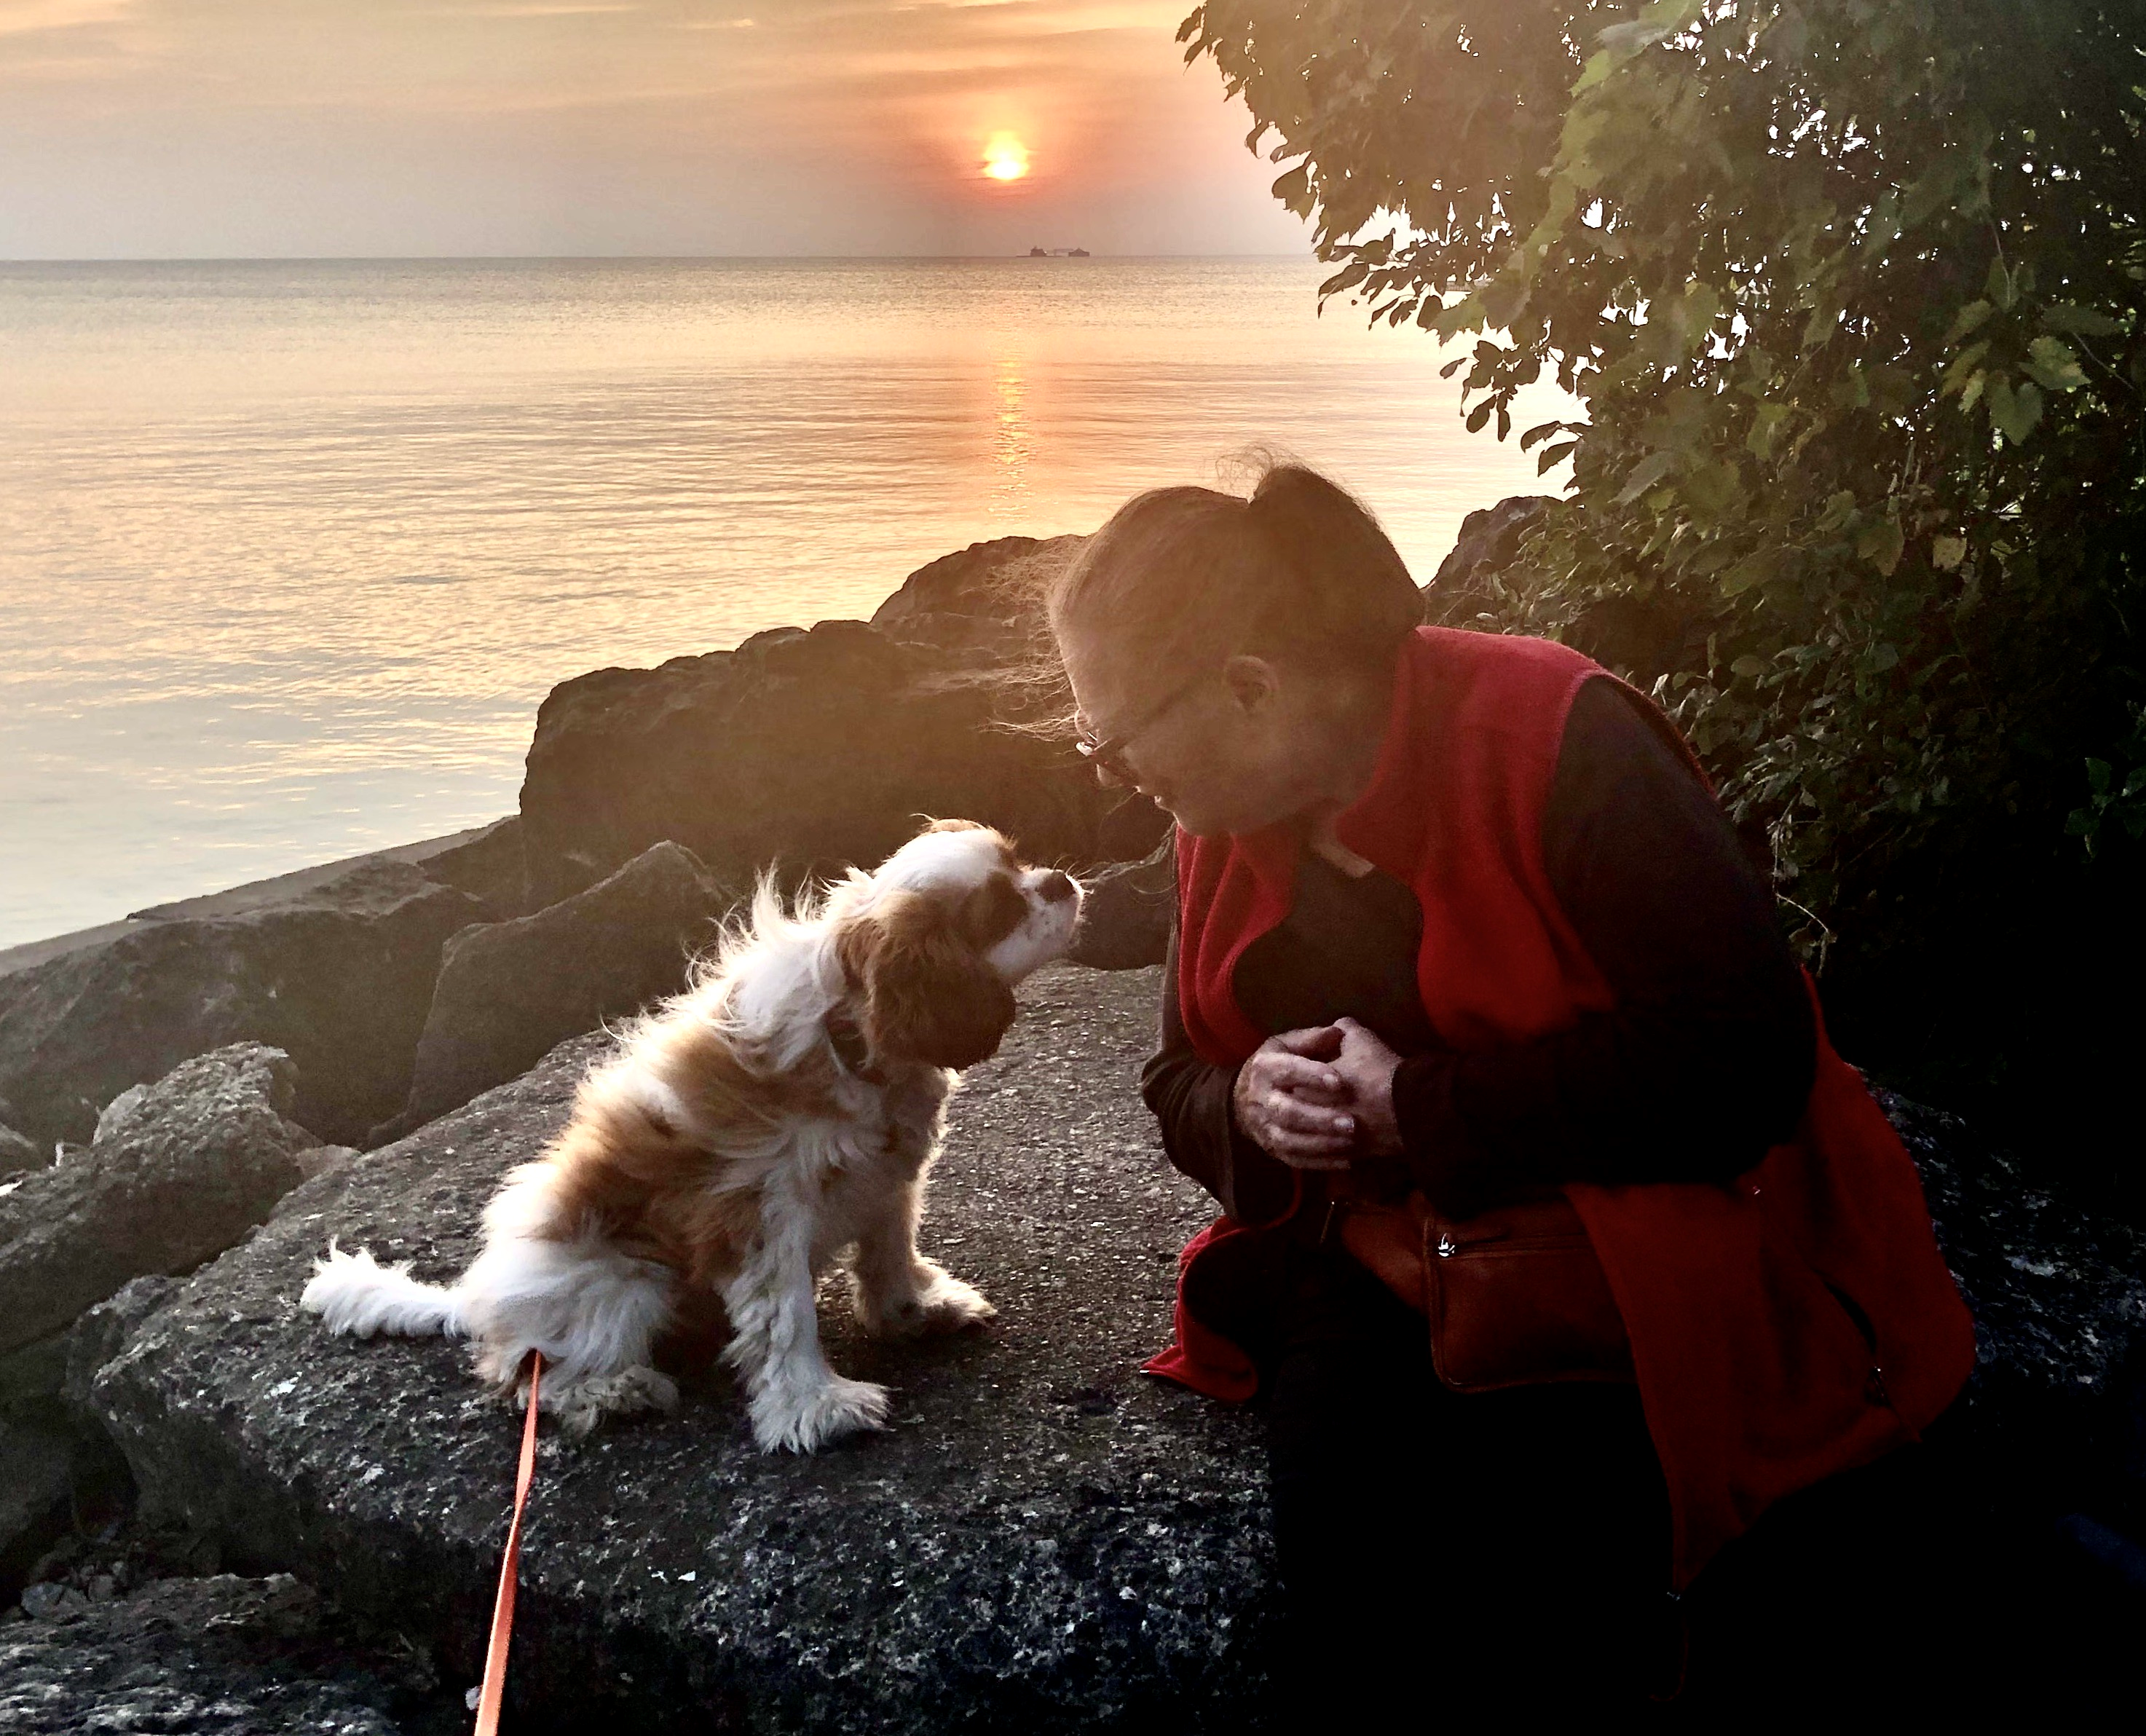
[{"x": 784, "y": 1108}]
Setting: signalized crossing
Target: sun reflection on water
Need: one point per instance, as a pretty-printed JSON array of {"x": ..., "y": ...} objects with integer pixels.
[
  {"x": 290, "y": 552},
  {"x": 1011, "y": 443}
]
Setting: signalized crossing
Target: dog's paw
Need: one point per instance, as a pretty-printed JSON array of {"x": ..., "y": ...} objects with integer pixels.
[
  {"x": 785, "y": 1421},
  {"x": 580, "y": 1405},
  {"x": 939, "y": 1303}
]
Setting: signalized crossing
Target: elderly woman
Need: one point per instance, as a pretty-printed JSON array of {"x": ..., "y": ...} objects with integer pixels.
[{"x": 1556, "y": 1240}]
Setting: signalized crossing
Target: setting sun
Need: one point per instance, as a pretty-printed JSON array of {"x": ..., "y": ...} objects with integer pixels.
[{"x": 1006, "y": 157}]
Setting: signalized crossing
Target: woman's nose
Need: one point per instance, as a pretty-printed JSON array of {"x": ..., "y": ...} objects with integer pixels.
[{"x": 1056, "y": 887}]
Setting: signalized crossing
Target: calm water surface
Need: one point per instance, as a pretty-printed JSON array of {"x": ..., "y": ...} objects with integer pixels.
[{"x": 289, "y": 552}]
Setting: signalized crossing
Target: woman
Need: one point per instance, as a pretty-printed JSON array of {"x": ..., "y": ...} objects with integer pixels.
[{"x": 1461, "y": 927}]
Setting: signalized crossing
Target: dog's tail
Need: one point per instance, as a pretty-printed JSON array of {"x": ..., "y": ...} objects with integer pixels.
[{"x": 353, "y": 1293}]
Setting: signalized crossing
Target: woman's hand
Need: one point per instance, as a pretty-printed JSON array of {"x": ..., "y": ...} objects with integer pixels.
[
  {"x": 1366, "y": 1067},
  {"x": 1289, "y": 1098}
]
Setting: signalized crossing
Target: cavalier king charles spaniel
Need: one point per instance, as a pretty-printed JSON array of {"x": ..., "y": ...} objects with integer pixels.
[{"x": 785, "y": 1107}]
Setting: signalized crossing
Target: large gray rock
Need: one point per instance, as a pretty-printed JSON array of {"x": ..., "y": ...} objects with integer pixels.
[
  {"x": 99, "y": 1333},
  {"x": 815, "y": 750},
  {"x": 488, "y": 865},
  {"x": 57, "y": 1468},
  {"x": 1481, "y": 585},
  {"x": 2060, "y": 1299},
  {"x": 1046, "y": 1541},
  {"x": 339, "y": 976},
  {"x": 509, "y": 992},
  {"x": 36, "y": 1481},
  {"x": 1004, "y": 579},
  {"x": 198, "y": 1160},
  {"x": 19, "y": 1152},
  {"x": 1468, "y": 590},
  {"x": 220, "y": 1657},
  {"x": 985, "y": 600}
]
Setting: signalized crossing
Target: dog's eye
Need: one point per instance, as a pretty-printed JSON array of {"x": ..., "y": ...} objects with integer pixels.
[{"x": 993, "y": 910}]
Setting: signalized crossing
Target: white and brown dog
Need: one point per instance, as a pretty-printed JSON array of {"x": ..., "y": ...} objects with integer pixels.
[{"x": 784, "y": 1108}]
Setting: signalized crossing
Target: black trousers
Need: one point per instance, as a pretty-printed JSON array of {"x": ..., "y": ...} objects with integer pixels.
[
  {"x": 1443, "y": 1553},
  {"x": 1441, "y": 1550}
]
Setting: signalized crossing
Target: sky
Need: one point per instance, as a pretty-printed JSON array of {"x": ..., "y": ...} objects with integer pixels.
[{"x": 304, "y": 128}]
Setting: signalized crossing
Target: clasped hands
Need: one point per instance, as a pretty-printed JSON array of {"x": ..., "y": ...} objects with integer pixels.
[{"x": 1319, "y": 1098}]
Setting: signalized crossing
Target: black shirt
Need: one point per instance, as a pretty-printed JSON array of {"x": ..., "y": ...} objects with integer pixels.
[{"x": 1704, "y": 1064}]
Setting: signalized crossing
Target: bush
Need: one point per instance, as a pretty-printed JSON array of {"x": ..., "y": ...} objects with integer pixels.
[{"x": 1851, "y": 292}]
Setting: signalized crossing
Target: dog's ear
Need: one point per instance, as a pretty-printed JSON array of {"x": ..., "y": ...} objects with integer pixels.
[{"x": 929, "y": 995}]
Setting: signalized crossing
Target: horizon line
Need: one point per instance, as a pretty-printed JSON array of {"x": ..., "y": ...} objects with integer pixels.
[{"x": 592, "y": 258}]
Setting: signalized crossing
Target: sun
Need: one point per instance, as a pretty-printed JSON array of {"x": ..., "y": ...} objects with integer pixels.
[{"x": 1006, "y": 157}]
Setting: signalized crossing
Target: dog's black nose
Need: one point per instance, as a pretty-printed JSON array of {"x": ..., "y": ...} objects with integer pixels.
[{"x": 1056, "y": 887}]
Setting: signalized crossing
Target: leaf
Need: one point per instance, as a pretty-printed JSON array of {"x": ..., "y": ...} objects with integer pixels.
[
  {"x": 2051, "y": 361},
  {"x": 2081, "y": 322},
  {"x": 1480, "y": 415},
  {"x": 1664, "y": 18},
  {"x": 2014, "y": 413},
  {"x": 1541, "y": 431},
  {"x": 1961, "y": 366},
  {"x": 1648, "y": 471},
  {"x": 1598, "y": 67},
  {"x": 1294, "y": 190},
  {"x": 1553, "y": 455},
  {"x": 2098, "y": 774},
  {"x": 1739, "y": 579},
  {"x": 1502, "y": 299},
  {"x": 1839, "y": 509},
  {"x": 1750, "y": 668},
  {"x": 1947, "y": 552},
  {"x": 1999, "y": 285},
  {"x": 1347, "y": 277},
  {"x": 1884, "y": 657},
  {"x": 1766, "y": 422},
  {"x": 1711, "y": 487},
  {"x": 1463, "y": 313},
  {"x": 1969, "y": 318},
  {"x": 1879, "y": 543},
  {"x": 1702, "y": 304}
]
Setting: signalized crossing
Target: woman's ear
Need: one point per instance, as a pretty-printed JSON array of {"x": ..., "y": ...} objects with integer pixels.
[
  {"x": 929, "y": 995},
  {"x": 1252, "y": 681}
]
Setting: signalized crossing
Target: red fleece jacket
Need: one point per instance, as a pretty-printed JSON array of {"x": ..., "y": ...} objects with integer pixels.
[{"x": 1796, "y": 1323}]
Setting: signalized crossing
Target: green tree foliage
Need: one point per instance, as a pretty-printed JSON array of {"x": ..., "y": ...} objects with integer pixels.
[{"x": 1851, "y": 292}]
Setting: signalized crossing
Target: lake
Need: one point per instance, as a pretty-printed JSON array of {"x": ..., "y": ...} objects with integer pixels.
[{"x": 290, "y": 552}]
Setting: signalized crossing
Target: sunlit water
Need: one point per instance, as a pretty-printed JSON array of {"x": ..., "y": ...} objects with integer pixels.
[{"x": 289, "y": 553}]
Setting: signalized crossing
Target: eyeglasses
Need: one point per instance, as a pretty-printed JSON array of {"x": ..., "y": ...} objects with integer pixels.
[{"x": 1108, "y": 756}]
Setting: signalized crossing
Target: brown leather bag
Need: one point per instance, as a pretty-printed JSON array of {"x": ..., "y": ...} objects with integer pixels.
[{"x": 1514, "y": 1297}]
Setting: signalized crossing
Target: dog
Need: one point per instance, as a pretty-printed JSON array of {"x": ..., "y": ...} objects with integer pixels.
[{"x": 786, "y": 1107}]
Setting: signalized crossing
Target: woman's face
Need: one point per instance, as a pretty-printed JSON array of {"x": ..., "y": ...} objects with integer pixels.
[{"x": 1231, "y": 747}]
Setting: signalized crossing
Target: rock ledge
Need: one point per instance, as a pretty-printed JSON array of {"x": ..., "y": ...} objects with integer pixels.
[{"x": 1046, "y": 1541}]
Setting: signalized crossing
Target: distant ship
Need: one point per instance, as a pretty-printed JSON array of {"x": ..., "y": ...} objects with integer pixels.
[
  {"x": 1038, "y": 253},
  {"x": 1060, "y": 253}
]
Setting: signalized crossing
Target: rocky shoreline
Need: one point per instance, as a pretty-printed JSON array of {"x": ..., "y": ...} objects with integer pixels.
[{"x": 193, "y": 1101}]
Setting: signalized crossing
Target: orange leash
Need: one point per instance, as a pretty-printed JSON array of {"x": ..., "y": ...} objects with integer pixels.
[{"x": 502, "y": 1610}]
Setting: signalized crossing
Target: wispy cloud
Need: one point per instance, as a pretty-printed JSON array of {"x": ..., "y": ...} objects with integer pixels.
[{"x": 18, "y": 17}]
